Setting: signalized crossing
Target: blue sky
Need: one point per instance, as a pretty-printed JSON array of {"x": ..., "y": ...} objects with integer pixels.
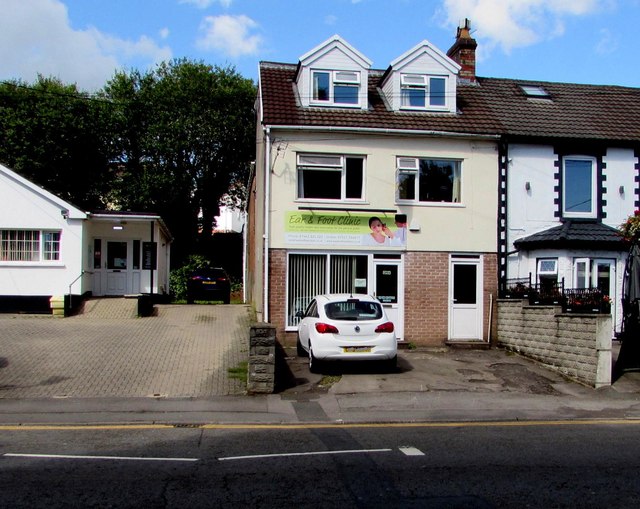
[{"x": 86, "y": 41}]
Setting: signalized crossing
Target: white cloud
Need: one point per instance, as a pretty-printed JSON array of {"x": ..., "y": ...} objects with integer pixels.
[
  {"x": 607, "y": 44},
  {"x": 229, "y": 35},
  {"x": 36, "y": 38},
  {"x": 510, "y": 24},
  {"x": 330, "y": 19},
  {"x": 164, "y": 33},
  {"x": 203, "y": 4}
]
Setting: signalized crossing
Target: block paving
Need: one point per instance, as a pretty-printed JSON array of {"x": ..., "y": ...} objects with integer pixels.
[{"x": 108, "y": 351}]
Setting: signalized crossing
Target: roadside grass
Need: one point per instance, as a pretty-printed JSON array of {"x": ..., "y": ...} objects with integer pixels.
[{"x": 240, "y": 372}]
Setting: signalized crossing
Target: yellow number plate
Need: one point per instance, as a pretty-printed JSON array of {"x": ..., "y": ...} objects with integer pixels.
[{"x": 356, "y": 349}]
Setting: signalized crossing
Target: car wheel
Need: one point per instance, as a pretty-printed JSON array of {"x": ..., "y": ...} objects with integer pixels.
[
  {"x": 190, "y": 299},
  {"x": 227, "y": 300},
  {"x": 300, "y": 349},
  {"x": 314, "y": 363}
]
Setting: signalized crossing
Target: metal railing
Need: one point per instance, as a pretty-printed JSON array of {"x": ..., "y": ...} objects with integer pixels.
[{"x": 572, "y": 300}]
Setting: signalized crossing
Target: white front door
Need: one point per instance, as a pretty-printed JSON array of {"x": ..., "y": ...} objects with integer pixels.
[
  {"x": 117, "y": 267},
  {"x": 465, "y": 298},
  {"x": 388, "y": 289}
]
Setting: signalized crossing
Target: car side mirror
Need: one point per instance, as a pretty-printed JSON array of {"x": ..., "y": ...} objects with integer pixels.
[{"x": 300, "y": 314}]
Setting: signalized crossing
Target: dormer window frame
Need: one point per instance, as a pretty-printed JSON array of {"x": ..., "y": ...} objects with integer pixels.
[
  {"x": 432, "y": 100},
  {"x": 337, "y": 78}
]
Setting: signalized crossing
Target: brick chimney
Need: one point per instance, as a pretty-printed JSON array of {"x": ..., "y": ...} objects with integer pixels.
[{"x": 463, "y": 52}]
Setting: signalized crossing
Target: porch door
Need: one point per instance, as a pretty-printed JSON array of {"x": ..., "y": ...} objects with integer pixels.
[
  {"x": 465, "y": 298},
  {"x": 117, "y": 267},
  {"x": 388, "y": 289},
  {"x": 604, "y": 278}
]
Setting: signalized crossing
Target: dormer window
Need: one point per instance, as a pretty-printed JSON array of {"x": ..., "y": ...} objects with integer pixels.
[
  {"x": 335, "y": 87},
  {"x": 420, "y": 91}
]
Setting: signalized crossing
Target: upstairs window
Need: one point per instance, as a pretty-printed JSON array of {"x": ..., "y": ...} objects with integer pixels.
[
  {"x": 579, "y": 187},
  {"x": 422, "y": 92},
  {"x": 428, "y": 180},
  {"x": 29, "y": 245},
  {"x": 330, "y": 177},
  {"x": 336, "y": 87}
]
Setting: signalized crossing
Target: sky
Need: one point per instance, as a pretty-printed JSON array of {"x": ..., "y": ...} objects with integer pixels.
[{"x": 87, "y": 41}]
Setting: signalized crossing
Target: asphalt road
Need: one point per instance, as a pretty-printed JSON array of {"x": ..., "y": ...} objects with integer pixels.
[{"x": 464, "y": 465}]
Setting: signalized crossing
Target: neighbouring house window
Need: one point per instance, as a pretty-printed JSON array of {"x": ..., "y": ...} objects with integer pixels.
[
  {"x": 310, "y": 275},
  {"x": 581, "y": 273},
  {"x": 579, "y": 187},
  {"x": 29, "y": 245},
  {"x": 336, "y": 87},
  {"x": 330, "y": 177},
  {"x": 547, "y": 273},
  {"x": 419, "y": 91},
  {"x": 428, "y": 180}
]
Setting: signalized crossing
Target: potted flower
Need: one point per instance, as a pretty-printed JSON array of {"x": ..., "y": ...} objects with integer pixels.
[{"x": 630, "y": 229}]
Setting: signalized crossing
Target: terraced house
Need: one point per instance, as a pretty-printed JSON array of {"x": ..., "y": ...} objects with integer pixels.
[{"x": 430, "y": 187}]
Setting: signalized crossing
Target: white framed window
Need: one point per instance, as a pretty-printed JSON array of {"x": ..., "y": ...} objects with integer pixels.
[
  {"x": 335, "y": 87},
  {"x": 418, "y": 91},
  {"x": 29, "y": 245},
  {"x": 423, "y": 180},
  {"x": 579, "y": 187},
  {"x": 330, "y": 177},
  {"x": 547, "y": 272},
  {"x": 582, "y": 273}
]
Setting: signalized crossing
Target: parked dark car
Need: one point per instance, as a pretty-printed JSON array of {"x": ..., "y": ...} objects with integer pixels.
[{"x": 209, "y": 284}]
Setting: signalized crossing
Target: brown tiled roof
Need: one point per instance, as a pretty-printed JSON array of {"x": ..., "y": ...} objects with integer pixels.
[
  {"x": 280, "y": 108},
  {"x": 492, "y": 106},
  {"x": 598, "y": 112}
]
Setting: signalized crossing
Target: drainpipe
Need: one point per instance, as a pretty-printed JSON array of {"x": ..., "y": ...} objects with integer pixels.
[
  {"x": 265, "y": 237},
  {"x": 151, "y": 272}
]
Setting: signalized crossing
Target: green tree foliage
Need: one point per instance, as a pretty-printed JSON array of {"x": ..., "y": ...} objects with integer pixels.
[
  {"x": 185, "y": 137},
  {"x": 58, "y": 137}
]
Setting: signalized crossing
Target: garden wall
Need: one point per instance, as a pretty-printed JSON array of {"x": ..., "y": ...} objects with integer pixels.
[{"x": 577, "y": 345}]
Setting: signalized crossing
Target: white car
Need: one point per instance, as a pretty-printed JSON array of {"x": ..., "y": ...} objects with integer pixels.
[{"x": 346, "y": 327}]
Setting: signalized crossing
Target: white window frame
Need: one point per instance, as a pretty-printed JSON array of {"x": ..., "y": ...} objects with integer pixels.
[
  {"x": 587, "y": 273},
  {"x": 304, "y": 161},
  {"x": 547, "y": 273},
  {"x": 406, "y": 165},
  {"x": 422, "y": 82},
  {"x": 345, "y": 78},
  {"x": 44, "y": 249},
  {"x": 593, "y": 213}
]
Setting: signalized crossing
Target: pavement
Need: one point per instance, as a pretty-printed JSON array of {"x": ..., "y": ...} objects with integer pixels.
[{"x": 176, "y": 367}]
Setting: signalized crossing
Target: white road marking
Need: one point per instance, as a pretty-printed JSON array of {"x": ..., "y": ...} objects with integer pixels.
[
  {"x": 82, "y": 457},
  {"x": 411, "y": 451},
  {"x": 318, "y": 453}
]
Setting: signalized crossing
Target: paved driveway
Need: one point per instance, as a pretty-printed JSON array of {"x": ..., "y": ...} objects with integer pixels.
[{"x": 183, "y": 351}]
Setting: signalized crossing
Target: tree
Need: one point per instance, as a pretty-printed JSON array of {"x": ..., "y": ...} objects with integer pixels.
[
  {"x": 185, "y": 136},
  {"x": 58, "y": 137}
]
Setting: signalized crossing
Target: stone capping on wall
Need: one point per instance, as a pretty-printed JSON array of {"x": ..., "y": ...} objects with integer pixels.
[
  {"x": 576, "y": 345},
  {"x": 262, "y": 359}
]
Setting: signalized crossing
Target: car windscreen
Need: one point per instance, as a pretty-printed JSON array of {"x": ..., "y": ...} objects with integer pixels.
[{"x": 353, "y": 310}]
